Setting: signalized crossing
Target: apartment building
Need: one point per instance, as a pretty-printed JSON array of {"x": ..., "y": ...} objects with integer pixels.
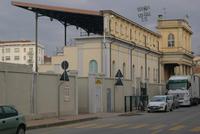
[{"x": 21, "y": 52}]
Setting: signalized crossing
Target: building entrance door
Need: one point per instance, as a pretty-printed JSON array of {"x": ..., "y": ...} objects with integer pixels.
[{"x": 98, "y": 99}]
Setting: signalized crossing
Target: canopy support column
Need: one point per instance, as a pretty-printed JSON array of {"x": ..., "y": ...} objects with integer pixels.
[
  {"x": 65, "y": 25},
  {"x": 36, "y": 42}
]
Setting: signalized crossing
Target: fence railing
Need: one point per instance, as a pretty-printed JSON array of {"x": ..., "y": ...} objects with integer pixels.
[{"x": 135, "y": 103}]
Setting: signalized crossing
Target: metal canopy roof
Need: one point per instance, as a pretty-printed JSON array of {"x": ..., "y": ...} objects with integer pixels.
[{"x": 90, "y": 21}]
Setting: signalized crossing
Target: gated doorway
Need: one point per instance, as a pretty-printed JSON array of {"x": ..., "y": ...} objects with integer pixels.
[{"x": 98, "y": 99}]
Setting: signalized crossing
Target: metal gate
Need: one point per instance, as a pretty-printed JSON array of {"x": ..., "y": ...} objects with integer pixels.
[{"x": 135, "y": 103}]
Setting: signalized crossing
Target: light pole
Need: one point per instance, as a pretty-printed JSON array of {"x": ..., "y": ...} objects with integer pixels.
[
  {"x": 36, "y": 42},
  {"x": 118, "y": 78},
  {"x": 64, "y": 78}
]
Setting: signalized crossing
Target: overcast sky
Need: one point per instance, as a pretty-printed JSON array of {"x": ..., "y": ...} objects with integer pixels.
[{"x": 18, "y": 24}]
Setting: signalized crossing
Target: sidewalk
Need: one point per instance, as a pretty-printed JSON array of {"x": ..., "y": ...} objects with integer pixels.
[{"x": 42, "y": 123}]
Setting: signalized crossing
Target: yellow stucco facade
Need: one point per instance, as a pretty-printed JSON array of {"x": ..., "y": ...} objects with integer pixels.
[
  {"x": 127, "y": 30},
  {"x": 138, "y": 52},
  {"x": 177, "y": 56}
]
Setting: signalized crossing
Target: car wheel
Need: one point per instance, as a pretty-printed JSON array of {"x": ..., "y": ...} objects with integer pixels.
[{"x": 21, "y": 130}]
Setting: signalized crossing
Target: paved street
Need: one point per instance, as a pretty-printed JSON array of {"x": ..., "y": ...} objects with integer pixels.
[{"x": 181, "y": 121}]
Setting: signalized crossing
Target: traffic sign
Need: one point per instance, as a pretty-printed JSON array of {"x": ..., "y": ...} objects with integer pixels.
[
  {"x": 64, "y": 65},
  {"x": 64, "y": 76}
]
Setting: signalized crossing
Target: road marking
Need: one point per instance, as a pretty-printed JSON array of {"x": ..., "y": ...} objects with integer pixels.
[
  {"x": 120, "y": 126},
  {"x": 139, "y": 126},
  {"x": 102, "y": 125},
  {"x": 86, "y": 126},
  {"x": 177, "y": 127},
  {"x": 196, "y": 129},
  {"x": 158, "y": 127}
]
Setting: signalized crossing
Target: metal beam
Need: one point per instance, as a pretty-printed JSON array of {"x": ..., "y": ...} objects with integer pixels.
[
  {"x": 65, "y": 26},
  {"x": 36, "y": 42}
]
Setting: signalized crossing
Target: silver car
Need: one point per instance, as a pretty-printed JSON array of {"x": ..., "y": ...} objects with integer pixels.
[
  {"x": 160, "y": 103},
  {"x": 11, "y": 122}
]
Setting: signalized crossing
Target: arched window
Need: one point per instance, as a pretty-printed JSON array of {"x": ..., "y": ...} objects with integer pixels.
[
  {"x": 171, "y": 40},
  {"x": 113, "y": 69},
  {"x": 131, "y": 35},
  {"x": 121, "y": 29},
  {"x": 124, "y": 70},
  {"x": 93, "y": 66},
  {"x": 116, "y": 27},
  {"x": 149, "y": 73},
  {"x": 133, "y": 73},
  {"x": 154, "y": 74},
  {"x": 158, "y": 45},
  {"x": 141, "y": 73}
]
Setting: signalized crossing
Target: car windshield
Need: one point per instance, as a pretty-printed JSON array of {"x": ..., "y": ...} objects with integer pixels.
[
  {"x": 175, "y": 84},
  {"x": 158, "y": 99}
]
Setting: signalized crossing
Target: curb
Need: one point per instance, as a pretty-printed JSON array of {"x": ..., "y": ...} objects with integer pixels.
[
  {"x": 132, "y": 113},
  {"x": 60, "y": 123}
]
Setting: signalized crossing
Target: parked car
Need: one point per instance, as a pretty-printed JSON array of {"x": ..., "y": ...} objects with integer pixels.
[
  {"x": 11, "y": 122},
  {"x": 160, "y": 103}
]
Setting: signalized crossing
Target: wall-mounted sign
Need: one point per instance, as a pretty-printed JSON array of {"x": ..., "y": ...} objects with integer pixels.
[{"x": 98, "y": 82}]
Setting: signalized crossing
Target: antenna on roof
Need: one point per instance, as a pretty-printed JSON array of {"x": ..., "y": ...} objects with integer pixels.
[
  {"x": 59, "y": 50},
  {"x": 164, "y": 12},
  {"x": 144, "y": 12},
  {"x": 186, "y": 17}
]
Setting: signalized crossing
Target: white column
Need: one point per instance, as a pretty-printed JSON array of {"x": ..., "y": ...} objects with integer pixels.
[
  {"x": 80, "y": 62},
  {"x": 181, "y": 69},
  {"x": 187, "y": 68},
  {"x": 92, "y": 93},
  {"x": 183, "y": 66},
  {"x": 106, "y": 60},
  {"x": 75, "y": 74},
  {"x": 184, "y": 69}
]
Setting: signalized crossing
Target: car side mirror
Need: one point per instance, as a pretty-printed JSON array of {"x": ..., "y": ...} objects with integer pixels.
[{"x": 167, "y": 99}]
